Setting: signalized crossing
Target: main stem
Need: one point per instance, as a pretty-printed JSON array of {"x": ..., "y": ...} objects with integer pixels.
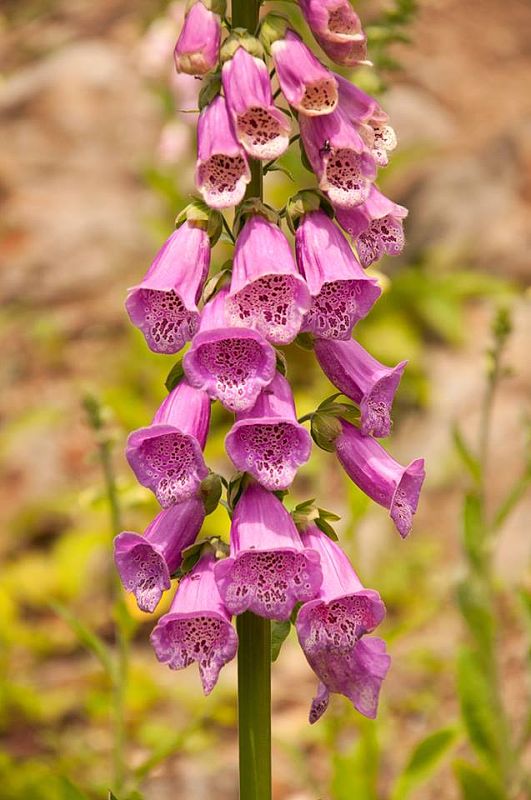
[{"x": 254, "y": 633}]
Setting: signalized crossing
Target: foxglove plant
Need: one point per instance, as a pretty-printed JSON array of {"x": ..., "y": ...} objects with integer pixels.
[{"x": 278, "y": 566}]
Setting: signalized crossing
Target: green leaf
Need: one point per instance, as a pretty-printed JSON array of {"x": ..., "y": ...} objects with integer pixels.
[
  {"x": 279, "y": 633},
  {"x": 467, "y": 456},
  {"x": 475, "y": 784},
  {"x": 423, "y": 761},
  {"x": 69, "y": 791},
  {"x": 475, "y": 606},
  {"x": 355, "y": 772},
  {"x": 282, "y": 364},
  {"x": 87, "y": 638},
  {"x": 327, "y": 529},
  {"x": 473, "y": 529},
  {"x": 477, "y": 708},
  {"x": 175, "y": 376}
]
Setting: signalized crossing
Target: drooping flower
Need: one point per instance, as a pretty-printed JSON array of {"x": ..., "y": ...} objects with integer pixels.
[
  {"x": 266, "y": 292},
  {"x": 365, "y": 380},
  {"x": 164, "y": 305},
  {"x": 269, "y": 569},
  {"x": 146, "y": 563},
  {"x": 261, "y": 128},
  {"x": 267, "y": 441},
  {"x": 231, "y": 364},
  {"x": 355, "y": 104},
  {"x": 342, "y": 294},
  {"x": 330, "y": 628},
  {"x": 306, "y": 84},
  {"x": 375, "y": 227},
  {"x": 167, "y": 456},
  {"x": 337, "y": 28},
  {"x": 222, "y": 171},
  {"x": 383, "y": 479},
  {"x": 197, "y": 626},
  {"x": 339, "y": 157},
  {"x": 197, "y": 48}
]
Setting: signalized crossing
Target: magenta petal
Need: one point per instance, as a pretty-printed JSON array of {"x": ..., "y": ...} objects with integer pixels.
[
  {"x": 342, "y": 294},
  {"x": 266, "y": 293},
  {"x": 163, "y": 306},
  {"x": 269, "y": 569},
  {"x": 306, "y": 84},
  {"x": 365, "y": 380},
  {"x": 222, "y": 171},
  {"x": 330, "y": 627},
  {"x": 267, "y": 441},
  {"x": 375, "y": 226},
  {"x": 232, "y": 365},
  {"x": 337, "y": 28},
  {"x": 145, "y": 563},
  {"x": 354, "y": 103},
  {"x": 197, "y": 627},
  {"x": 261, "y": 128},
  {"x": 167, "y": 456},
  {"x": 339, "y": 157},
  {"x": 197, "y": 48},
  {"x": 383, "y": 479}
]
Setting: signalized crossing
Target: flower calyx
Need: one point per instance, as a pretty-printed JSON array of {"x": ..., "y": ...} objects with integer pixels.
[
  {"x": 272, "y": 28},
  {"x": 199, "y": 215},
  {"x": 210, "y": 490},
  {"x": 325, "y": 424},
  {"x": 210, "y": 89},
  {"x": 303, "y": 203},
  {"x": 240, "y": 37},
  {"x": 307, "y": 513},
  {"x": 192, "y": 554},
  {"x": 250, "y": 208}
]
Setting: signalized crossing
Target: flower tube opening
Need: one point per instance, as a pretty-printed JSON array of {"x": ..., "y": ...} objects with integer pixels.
[{"x": 197, "y": 627}]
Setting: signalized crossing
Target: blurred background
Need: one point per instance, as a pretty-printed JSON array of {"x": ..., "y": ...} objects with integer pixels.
[{"x": 95, "y": 163}]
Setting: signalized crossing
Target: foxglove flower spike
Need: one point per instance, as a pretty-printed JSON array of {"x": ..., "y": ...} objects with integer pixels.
[
  {"x": 164, "y": 305},
  {"x": 267, "y": 441},
  {"x": 231, "y": 364},
  {"x": 261, "y": 128},
  {"x": 222, "y": 171},
  {"x": 197, "y": 626},
  {"x": 266, "y": 293},
  {"x": 383, "y": 479},
  {"x": 269, "y": 570},
  {"x": 342, "y": 293},
  {"x": 197, "y": 48},
  {"x": 146, "y": 563},
  {"x": 365, "y": 380},
  {"x": 167, "y": 456}
]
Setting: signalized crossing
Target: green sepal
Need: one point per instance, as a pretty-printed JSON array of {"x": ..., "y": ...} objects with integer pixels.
[
  {"x": 250, "y": 208},
  {"x": 210, "y": 491},
  {"x": 279, "y": 633},
  {"x": 217, "y": 281},
  {"x": 240, "y": 37},
  {"x": 175, "y": 376},
  {"x": 199, "y": 215},
  {"x": 304, "y": 202},
  {"x": 305, "y": 341},
  {"x": 210, "y": 89},
  {"x": 325, "y": 429},
  {"x": 282, "y": 364},
  {"x": 273, "y": 28},
  {"x": 192, "y": 554}
]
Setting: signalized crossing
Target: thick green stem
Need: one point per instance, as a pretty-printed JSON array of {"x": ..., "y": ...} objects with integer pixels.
[
  {"x": 254, "y": 706},
  {"x": 254, "y": 633}
]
